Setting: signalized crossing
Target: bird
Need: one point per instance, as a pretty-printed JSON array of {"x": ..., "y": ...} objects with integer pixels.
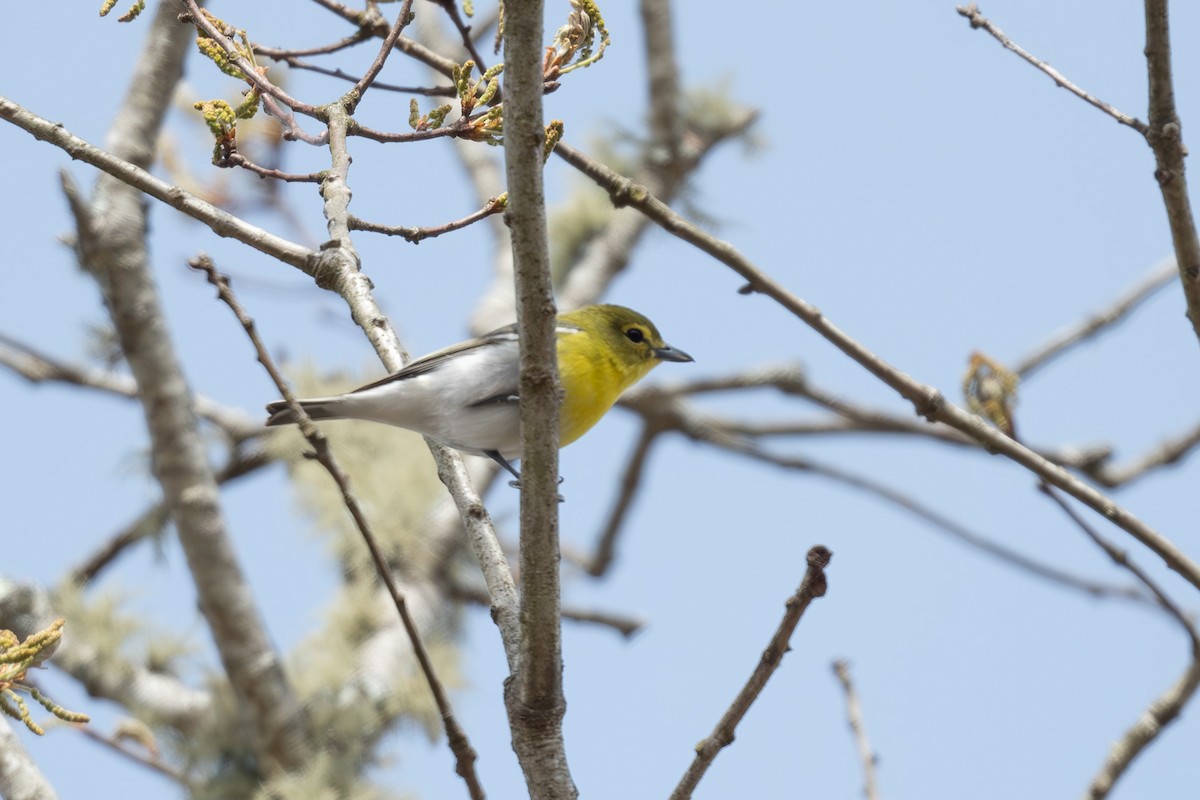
[{"x": 466, "y": 395}]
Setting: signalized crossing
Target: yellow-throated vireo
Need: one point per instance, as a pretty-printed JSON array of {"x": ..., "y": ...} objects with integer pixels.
[{"x": 466, "y": 395}]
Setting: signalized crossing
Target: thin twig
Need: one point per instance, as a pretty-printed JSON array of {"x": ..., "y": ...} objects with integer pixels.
[
  {"x": 464, "y": 30},
  {"x": 625, "y": 625},
  {"x": 415, "y": 235},
  {"x": 239, "y": 160},
  {"x": 379, "y": 86},
  {"x": 1086, "y": 329},
  {"x": 460, "y": 127},
  {"x": 280, "y": 54},
  {"x": 813, "y": 585},
  {"x": 152, "y": 521},
  {"x": 866, "y": 755},
  {"x": 968, "y": 537},
  {"x": 254, "y": 77},
  {"x": 144, "y": 759},
  {"x": 1167, "y": 707},
  {"x": 631, "y": 482},
  {"x": 854, "y": 419},
  {"x": 402, "y": 19},
  {"x": 373, "y": 21},
  {"x": 927, "y": 401},
  {"x": 662, "y": 413},
  {"x": 977, "y": 20},
  {"x": 1165, "y": 454},
  {"x": 460, "y": 746},
  {"x": 1014, "y": 558},
  {"x": 37, "y": 367},
  {"x": 221, "y": 222},
  {"x": 1162, "y": 132}
]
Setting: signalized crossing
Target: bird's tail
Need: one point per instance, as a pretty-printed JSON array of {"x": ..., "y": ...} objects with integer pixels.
[{"x": 280, "y": 414}]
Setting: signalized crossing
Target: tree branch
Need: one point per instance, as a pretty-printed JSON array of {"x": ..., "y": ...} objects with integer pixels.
[
  {"x": 977, "y": 20},
  {"x": 1167, "y": 707},
  {"x": 152, "y": 521},
  {"x": 866, "y": 756},
  {"x": 111, "y": 246},
  {"x": 20, "y": 778},
  {"x": 494, "y": 205},
  {"x": 403, "y": 17},
  {"x": 813, "y": 586},
  {"x": 102, "y": 673},
  {"x": 1166, "y": 140},
  {"x": 533, "y": 694},
  {"x": 36, "y": 367},
  {"x": 1162, "y": 133},
  {"x": 1086, "y": 329},
  {"x": 927, "y": 401},
  {"x": 663, "y": 415},
  {"x": 460, "y": 746},
  {"x": 221, "y": 222}
]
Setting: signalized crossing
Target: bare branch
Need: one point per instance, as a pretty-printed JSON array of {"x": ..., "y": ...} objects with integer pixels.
[
  {"x": 625, "y": 625},
  {"x": 534, "y": 696},
  {"x": 631, "y": 482},
  {"x": 20, "y": 777},
  {"x": 866, "y": 755},
  {"x": 239, "y": 160},
  {"x": 144, "y": 759},
  {"x": 389, "y": 42},
  {"x": 460, "y": 745},
  {"x": 37, "y": 368},
  {"x": 855, "y": 419},
  {"x": 662, "y": 70},
  {"x": 494, "y": 205},
  {"x": 1083, "y": 331},
  {"x": 464, "y": 31},
  {"x": 371, "y": 20},
  {"x": 813, "y": 585},
  {"x": 963, "y": 534},
  {"x": 111, "y": 247},
  {"x": 661, "y": 415},
  {"x": 280, "y": 54},
  {"x": 1167, "y": 453},
  {"x": 1166, "y": 140},
  {"x": 977, "y": 20},
  {"x": 609, "y": 252},
  {"x": 1166, "y": 708},
  {"x": 26, "y": 608},
  {"x": 927, "y": 401},
  {"x": 254, "y": 77},
  {"x": 151, "y": 522},
  {"x": 221, "y": 222},
  {"x": 1162, "y": 133},
  {"x": 296, "y": 63}
]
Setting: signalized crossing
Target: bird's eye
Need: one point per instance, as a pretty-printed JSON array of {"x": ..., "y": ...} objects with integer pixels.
[{"x": 635, "y": 335}]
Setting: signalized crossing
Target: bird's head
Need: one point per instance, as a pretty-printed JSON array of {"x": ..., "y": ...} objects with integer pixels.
[{"x": 633, "y": 340}]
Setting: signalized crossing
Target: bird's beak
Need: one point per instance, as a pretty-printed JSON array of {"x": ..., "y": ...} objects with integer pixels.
[{"x": 668, "y": 353}]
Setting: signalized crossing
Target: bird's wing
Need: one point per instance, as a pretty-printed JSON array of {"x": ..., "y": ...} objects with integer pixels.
[
  {"x": 500, "y": 382},
  {"x": 439, "y": 359}
]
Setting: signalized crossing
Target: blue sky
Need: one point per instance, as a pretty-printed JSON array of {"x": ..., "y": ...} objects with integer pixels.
[{"x": 928, "y": 191}]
